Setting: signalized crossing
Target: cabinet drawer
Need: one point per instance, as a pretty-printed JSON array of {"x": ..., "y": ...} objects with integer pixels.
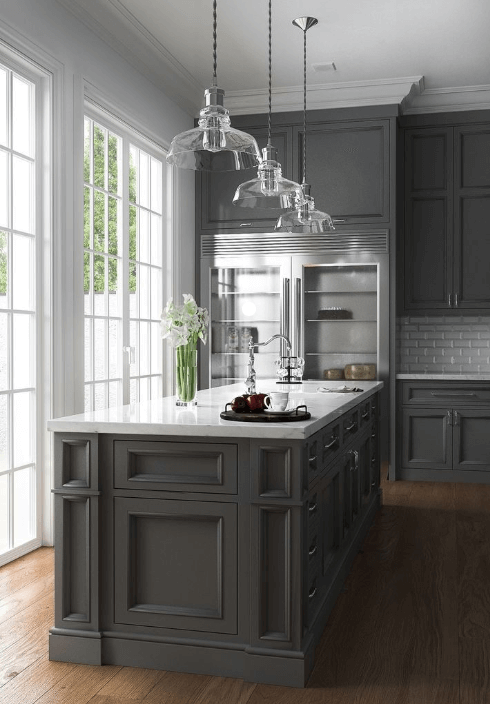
[
  {"x": 365, "y": 414},
  {"x": 350, "y": 425},
  {"x": 314, "y": 459},
  {"x": 446, "y": 395},
  {"x": 175, "y": 466},
  {"x": 331, "y": 442}
]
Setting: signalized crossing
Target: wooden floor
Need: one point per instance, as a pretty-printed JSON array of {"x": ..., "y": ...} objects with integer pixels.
[{"x": 412, "y": 627}]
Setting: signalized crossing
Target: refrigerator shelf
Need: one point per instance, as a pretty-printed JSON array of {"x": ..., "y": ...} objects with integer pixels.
[
  {"x": 245, "y": 293},
  {"x": 342, "y": 293},
  {"x": 339, "y": 320},
  {"x": 349, "y": 353}
]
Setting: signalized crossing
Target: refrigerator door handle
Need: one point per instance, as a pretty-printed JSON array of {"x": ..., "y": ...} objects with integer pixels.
[
  {"x": 298, "y": 331},
  {"x": 286, "y": 313}
]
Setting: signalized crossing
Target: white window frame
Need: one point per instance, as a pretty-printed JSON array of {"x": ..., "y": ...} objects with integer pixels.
[
  {"x": 27, "y": 63},
  {"x": 134, "y": 134}
]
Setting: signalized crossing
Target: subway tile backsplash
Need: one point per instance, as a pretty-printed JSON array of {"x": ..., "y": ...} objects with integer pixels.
[{"x": 443, "y": 344}]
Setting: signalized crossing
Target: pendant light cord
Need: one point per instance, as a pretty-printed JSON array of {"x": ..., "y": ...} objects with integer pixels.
[
  {"x": 215, "y": 43},
  {"x": 270, "y": 75},
  {"x": 304, "y": 105}
]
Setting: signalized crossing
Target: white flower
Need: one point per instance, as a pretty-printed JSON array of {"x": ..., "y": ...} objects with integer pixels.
[{"x": 185, "y": 324}]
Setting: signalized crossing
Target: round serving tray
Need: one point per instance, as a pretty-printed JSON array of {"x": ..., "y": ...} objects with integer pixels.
[{"x": 300, "y": 413}]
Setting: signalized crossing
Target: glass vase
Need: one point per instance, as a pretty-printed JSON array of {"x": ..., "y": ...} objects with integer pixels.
[{"x": 186, "y": 375}]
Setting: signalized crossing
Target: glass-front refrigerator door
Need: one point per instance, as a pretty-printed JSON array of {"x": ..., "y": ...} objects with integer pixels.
[
  {"x": 341, "y": 314},
  {"x": 245, "y": 298}
]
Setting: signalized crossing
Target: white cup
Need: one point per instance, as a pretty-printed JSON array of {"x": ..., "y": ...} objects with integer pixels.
[{"x": 277, "y": 400}]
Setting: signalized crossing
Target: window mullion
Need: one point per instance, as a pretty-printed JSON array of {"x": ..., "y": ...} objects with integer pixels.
[{"x": 125, "y": 269}]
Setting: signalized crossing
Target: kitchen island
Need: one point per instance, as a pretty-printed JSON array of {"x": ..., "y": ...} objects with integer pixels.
[{"x": 187, "y": 542}]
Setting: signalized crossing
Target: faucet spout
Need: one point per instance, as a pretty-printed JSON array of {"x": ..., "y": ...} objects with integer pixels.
[{"x": 251, "y": 379}]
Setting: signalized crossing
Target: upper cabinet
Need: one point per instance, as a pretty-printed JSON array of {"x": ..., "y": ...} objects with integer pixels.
[
  {"x": 445, "y": 250},
  {"x": 349, "y": 166}
]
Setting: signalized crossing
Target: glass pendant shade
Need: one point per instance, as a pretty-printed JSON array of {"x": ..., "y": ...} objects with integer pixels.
[
  {"x": 269, "y": 189},
  {"x": 304, "y": 218},
  {"x": 214, "y": 145}
]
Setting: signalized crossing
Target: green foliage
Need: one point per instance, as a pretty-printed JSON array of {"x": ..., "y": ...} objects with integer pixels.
[{"x": 102, "y": 215}]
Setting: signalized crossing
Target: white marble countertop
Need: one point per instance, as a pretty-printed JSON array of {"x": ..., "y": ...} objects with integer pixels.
[
  {"x": 446, "y": 377},
  {"x": 163, "y": 417}
]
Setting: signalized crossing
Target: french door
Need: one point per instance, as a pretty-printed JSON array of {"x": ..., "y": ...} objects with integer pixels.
[{"x": 123, "y": 265}]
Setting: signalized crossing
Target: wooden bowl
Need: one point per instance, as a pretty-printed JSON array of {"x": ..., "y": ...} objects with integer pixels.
[{"x": 360, "y": 371}]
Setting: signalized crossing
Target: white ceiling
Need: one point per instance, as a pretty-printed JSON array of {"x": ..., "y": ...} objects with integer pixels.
[{"x": 424, "y": 54}]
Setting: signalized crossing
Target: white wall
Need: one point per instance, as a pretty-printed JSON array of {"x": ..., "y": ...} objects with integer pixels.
[{"x": 83, "y": 63}]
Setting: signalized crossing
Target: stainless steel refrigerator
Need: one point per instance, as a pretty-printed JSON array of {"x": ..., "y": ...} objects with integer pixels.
[{"x": 329, "y": 294}]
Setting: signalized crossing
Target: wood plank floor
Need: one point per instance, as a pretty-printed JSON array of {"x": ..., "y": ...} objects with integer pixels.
[{"x": 412, "y": 627}]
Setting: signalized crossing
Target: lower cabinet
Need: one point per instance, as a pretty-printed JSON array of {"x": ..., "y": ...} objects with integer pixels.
[
  {"x": 450, "y": 441},
  {"x": 222, "y": 557},
  {"x": 160, "y": 548}
]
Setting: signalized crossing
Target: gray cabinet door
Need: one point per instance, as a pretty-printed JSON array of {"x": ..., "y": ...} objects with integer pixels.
[
  {"x": 428, "y": 244},
  {"x": 348, "y": 167},
  {"x": 426, "y": 438},
  {"x": 215, "y": 191},
  {"x": 471, "y": 439},
  {"x": 176, "y": 564},
  {"x": 330, "y": 494},
  {"x": 472, "y": 217}
]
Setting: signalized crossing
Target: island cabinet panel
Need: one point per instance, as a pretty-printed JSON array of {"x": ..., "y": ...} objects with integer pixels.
[
  {"x": 176, "y": 564},
  {"x": 176, "y": 466},
  {"x": 444, "y": 431},
  {"x": 76, "y": 461}
]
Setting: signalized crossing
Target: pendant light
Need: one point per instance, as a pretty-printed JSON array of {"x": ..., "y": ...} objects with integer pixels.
[
  {"x": 214, "y": 145},
  {"x": 269, "y": 189},
  {"x": 304, "y": 218}
]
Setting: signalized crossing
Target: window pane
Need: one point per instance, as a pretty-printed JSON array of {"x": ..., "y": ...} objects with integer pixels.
[
  {"x": 144, "y": 291},
  {"x": 4, "y": 302},
  {"x": 144, "y": 237},
  {"x": 4, "y": 372},
  {"x": 4, "y": 435},
  {"x": 113, "y": 225},
  {"x": 133, "y": 174},
  {"x": 134, "y": 342},
  {"x": 87, "y": 217},
  {"x": 22, "y": 116},
  {"x": 100, "y": 349},
  {"x": 88, "y": 397},
  {"x": 156, "y": 386},
  {"x": 144, "y": 180},
  {"x": 99, "y": 156},
  {"x": 4, "y": 189},
  {"x": 23, "y": 272},
  {"x": 115, "y": 347},
  {"x": 3, "y": 109},
  {"x": 156, "y": 185},
  {"x": 23, "y": 346},
  {"x": 114, "y": 296},
  {"x": 4, "y": 513},
  {"x": 87, "y": 126},
  {"x": 114, "y": 168},
  {"x": 115, "y": 393},
  {"x": 144, "y": 348},
  {"x": 24, "y": 506},
  {"x": 23, "y": 415},
  {"x": 100, "y": 396},
  {"x": 99, "y": 222},
  {"x": 156, "y": 293},
  {"x": 144, "y": 389},
  {"x": 88, "y": 348},
  {"x": 156, "y": 240},
  {"x": 22, "y": 200},
  {"x": 156, "y": 349},
  {"x": 133, "y": 391}
]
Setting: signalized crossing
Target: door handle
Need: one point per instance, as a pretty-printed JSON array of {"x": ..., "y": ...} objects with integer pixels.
[
  {"x": 456, "y": 303},
  {"x": 131, "y": 351},
  {"x": 449, "y": 417},
  {"x": 286, "y": 313},
  {"x": 456, "y": 417},
  {"x": 299, "y": 318},
  {"x": 449, "y": 300}
]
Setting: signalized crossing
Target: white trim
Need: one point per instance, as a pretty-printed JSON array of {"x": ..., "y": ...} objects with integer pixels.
[
  {"x": 14, "y": 554},
  {"x": 453, "y": 99}
]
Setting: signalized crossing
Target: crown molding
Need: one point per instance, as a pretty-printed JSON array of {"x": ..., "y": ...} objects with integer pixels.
[
  {"x": 450, "y": 100},
  {"x": 129, "y": 38},
  {"x": 399, "y": 91}
]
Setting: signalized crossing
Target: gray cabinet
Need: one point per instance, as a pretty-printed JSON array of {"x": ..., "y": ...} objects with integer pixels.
[
  {"x": 445, "y": 256},
  {"x": 349, "y": 167},
  {"x": 222, "y": 557},
  {"x": 444, "y": 431}
]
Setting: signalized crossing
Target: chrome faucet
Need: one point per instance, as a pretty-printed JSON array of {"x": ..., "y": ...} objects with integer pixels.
[{"x": 252, "y": 375}]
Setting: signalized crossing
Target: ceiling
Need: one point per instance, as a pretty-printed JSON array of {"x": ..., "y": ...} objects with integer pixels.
[{"x": 426, "y": 55}]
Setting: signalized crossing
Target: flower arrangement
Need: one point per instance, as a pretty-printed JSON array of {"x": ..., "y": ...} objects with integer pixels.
[{"x": 183, "y": 326}]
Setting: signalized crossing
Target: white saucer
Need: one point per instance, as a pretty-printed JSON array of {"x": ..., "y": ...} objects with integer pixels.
[{"x": 287, "y": 412}]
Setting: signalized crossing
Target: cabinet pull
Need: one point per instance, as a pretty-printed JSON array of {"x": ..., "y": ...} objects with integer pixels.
[
  {"x": 312, "y": 459},
  {"x": 312, "y": 508},
  {"x": 449, "y": 418},
  {"x": 337, "y": 220},
  {"x": 245, "y": 224},
  {"x": 286, "y": 312},
  {"x": 456, "y": 302},
  {"x": 456, "y": 417},
  {"x": 313, "y": 551},
  {"x": 442, "y": 394},
  {"x": 449, "y": 300},
  {"x": 299, "y": 318},
  {"x": 312, "y": 593},
  {"x": 333, "y": 442},
  {"x": 365, "y": 415},
  {"x": 350, "y": 427}
]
